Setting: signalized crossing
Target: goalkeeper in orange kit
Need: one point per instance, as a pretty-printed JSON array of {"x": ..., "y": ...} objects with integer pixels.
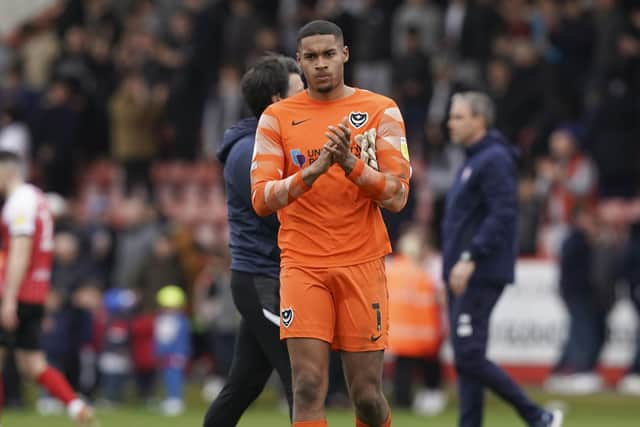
[{"x": 309, "y": 166}]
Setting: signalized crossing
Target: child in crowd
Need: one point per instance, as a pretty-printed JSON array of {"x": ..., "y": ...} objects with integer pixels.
[
  {"x": 173, "y": 346},
  {"x": 115, "y": 360}
]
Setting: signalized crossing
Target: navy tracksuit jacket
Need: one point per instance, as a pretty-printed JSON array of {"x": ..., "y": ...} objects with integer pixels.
[
  {"x": 253, "y": 240},
  {"x": 481, "y": 217},
  {"x": 481, "y": 212}
]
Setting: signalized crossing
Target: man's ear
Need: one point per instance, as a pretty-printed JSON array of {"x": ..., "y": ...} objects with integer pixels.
[
  {"x": 345, "y": 52},
  {"x": 275, "y": 98}
]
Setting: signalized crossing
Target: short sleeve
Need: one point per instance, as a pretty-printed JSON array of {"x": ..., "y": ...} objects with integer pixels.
[{"x": 20, "y": 213}]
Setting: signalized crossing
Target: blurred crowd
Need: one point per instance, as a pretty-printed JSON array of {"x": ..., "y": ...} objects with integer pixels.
[{"x": 118, "y": 108}]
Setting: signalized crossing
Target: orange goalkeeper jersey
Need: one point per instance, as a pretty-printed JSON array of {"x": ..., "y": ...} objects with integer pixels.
[{"x": 336, "y": 222}]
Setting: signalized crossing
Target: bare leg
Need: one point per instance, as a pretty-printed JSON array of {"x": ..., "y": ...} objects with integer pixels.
[
  {"x": 363, "y": 373},
  {"x": 309, "y": 369}
]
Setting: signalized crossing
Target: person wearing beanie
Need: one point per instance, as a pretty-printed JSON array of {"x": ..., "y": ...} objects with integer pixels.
[{"x": 172, "y": 346}]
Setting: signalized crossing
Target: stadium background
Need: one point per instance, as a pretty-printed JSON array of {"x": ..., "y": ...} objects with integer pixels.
[{"x": 119, "y": 105}]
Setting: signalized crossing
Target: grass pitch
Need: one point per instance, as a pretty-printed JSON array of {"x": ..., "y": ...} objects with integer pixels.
[{"x": 601, "y": 410}]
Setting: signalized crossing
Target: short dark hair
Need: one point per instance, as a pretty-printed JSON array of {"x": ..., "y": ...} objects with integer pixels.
[
  {"x": 320, "y": 28},
  {"x": 291, "y": 65},
  {"x": 7, "y": 156},
  {"x": 268, "y": 77}
]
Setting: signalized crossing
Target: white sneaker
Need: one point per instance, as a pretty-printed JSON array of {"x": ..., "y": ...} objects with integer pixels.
[
  {"x": 80, "y": 412},
  {"x": 575, "y": 384},
  {"x": 172, "y": 407},
  {"x": 428, "y": 403},
  {"x": 558, "y": 418},
  {"x": 587, "y": 383},
  {"x": 560, "y": 384},
  {"x": 630, "y": 385}
]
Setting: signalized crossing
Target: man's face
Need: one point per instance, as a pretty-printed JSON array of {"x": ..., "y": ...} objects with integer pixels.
[
  {"x": 463, "y": 126},
  {"x": 295, "y": 84},
  {"x": 322, "y": 58}
]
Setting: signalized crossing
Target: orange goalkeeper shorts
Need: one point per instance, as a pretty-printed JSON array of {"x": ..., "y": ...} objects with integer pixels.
[{"x": 344, "y": 306}]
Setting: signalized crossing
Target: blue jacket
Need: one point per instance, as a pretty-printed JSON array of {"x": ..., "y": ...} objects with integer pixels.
[
  {"x": 172, "y": 335},
  {"x": 253, "y": 240},
  {"x": 481, "y": 212}
]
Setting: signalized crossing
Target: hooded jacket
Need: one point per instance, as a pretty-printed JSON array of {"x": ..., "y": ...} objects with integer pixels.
[{"x": 253, "y": 240}]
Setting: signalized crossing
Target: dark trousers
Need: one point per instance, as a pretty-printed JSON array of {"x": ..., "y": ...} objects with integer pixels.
[
  {"x": 586, "y": 335},
  {"x": 13, "y": 393},
  {"x": 145, "y": 380},
  {"x": 469, "y": 316},
  {"x": 113, "y": 386},
  {"x": 223, "y": 350},
  {"x": 431, "y": 374},
  {"x": 258, "y": 351}
]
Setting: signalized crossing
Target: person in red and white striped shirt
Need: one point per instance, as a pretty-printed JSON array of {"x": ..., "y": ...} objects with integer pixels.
[{"x": 26, "y": 232}]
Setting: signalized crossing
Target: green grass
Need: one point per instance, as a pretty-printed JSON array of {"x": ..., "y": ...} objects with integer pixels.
[{"x": 607, "y": 409}]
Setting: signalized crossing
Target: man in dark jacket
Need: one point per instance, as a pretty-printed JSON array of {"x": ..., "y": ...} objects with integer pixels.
[
  {"x": 630, "y": 383},
  {"x": 255, "y": 257},
  {"x": 479, "y": 254}
]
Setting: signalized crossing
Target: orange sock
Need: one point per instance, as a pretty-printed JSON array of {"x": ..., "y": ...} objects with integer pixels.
[
  {"x": 321, "y": 423},
  {"x": 387, "y": 423}
]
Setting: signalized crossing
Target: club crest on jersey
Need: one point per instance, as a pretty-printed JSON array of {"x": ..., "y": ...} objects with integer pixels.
[
  {"x": 298, "y": 158},
  {"x": 358, "y": 119},
  {"x": 286, "y": 316}
]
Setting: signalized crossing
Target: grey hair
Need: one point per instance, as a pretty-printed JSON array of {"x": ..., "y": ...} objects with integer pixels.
[{"x": 479, "y": 103}]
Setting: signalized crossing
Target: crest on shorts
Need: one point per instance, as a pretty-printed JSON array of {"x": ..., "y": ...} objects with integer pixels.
[
  {"x": 286, "y": 315},
  {"x": 358, "y": 119}
]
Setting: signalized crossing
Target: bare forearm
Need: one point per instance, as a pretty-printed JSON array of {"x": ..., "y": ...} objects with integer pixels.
[
  {"x": 349, "y": 164},
  {"x": 399, "y": 199},
  {"x": 309, "y": 176},
  {"x": 16, "y": 269}
]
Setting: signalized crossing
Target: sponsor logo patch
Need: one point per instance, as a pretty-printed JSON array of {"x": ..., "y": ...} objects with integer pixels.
[{"x": 298, "y": 158}]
